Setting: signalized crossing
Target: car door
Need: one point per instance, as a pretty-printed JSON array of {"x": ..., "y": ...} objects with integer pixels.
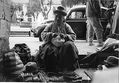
[{"x": 77, "y": 20}]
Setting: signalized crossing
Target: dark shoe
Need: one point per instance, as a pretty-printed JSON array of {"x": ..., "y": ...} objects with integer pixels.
[
  {"x": 91, "y": 44},
  {"x": 99, "y": 67}
]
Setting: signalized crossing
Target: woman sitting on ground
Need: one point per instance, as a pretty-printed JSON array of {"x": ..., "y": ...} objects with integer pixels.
[{"x": 59, "y": 51}]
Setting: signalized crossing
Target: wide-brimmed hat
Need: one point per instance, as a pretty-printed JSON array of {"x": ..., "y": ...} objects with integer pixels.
[
  {"x": 60, "y": 10},
  {"x": 112, "y": 60}
]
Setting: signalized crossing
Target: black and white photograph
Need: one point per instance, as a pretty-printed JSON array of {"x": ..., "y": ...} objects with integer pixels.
[{"x": 59, "y": 41}]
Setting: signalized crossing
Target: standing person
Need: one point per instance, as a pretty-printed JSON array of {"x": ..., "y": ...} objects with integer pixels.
[
  {"x": 59, "y": 51},
  {"x": 115, "y": 24},
  {"x": 93, "y": 13}
]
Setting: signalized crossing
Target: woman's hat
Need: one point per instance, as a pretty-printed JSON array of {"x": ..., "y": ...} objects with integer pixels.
[
  {"x": 60, "y": 10},
  {"x": 112, "y": 60}
]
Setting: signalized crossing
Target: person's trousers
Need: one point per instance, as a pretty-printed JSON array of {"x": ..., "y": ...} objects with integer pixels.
[
  {"x": 68, "y": 56},
  {"x": 94, "y": 26},
  {"x": 115, "y": 23},
  {"x": 97, "y": 58},
  {"x": 61, "y": 58}
]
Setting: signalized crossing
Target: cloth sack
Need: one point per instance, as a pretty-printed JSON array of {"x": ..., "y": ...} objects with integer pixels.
[
  {"x": 23, "y": 51},
  {"x": 12, "y": 64}
]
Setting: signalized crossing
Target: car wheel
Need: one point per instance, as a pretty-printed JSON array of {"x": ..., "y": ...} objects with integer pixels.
[
  {"x": 29, "y": 33},
  {"x": 39, "y": 33}
]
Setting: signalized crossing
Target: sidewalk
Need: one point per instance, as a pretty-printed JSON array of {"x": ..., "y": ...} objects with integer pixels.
[
  {"x": 34, "y": 44},
  {"x": 17, "y": 30}
]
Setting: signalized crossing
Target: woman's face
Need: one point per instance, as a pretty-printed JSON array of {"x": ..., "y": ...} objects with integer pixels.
[{"x": 59, "y": 19}]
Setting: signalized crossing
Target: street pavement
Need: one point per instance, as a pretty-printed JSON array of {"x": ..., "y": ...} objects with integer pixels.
[
  {"x": 18, "y": 28},
  {"x": 34, "y": 43}
]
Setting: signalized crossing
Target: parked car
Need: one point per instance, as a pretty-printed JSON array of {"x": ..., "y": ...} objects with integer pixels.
[
  {"x": 76, "y": 18},
  {"x": 37, "y": 31}
]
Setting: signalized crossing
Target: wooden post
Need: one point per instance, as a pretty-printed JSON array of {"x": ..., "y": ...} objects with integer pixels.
[{"x": 5, "y": 19}]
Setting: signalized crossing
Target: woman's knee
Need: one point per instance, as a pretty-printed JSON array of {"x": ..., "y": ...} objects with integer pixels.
[{"x": 70, "y": 46}]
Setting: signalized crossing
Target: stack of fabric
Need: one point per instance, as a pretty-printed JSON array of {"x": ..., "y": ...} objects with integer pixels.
[{"x": 13, "y": 65}]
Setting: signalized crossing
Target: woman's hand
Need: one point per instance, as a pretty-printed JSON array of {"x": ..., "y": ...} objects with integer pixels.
[{"x": 57, "y": 41}]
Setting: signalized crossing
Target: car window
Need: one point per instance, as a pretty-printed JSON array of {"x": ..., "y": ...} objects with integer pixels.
[{"x": 77, "y": 15}]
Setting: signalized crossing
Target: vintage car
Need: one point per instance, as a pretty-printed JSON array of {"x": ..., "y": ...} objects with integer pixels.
[
  {"x": 37, "y": 31},
  {"x": 76, "y": 18}
]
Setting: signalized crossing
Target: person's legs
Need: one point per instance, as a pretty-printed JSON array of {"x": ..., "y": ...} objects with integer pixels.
[
  {"x": 117, "y": 27},
  {"x": 91, "y": 60},
  {"x": 50, "y": 58},
  {"x": 96, "y": 23},
  {"x": 68, "y": 56},
  {"x": 90, "y": 32}
]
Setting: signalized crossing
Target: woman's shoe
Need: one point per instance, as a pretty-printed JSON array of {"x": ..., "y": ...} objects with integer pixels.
[{"x": 91, "y": 44}]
